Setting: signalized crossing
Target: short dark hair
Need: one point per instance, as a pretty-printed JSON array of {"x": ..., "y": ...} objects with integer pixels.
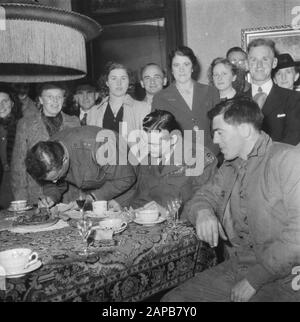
[
  {"x": 44, "y": 157},
  {"x": 159, "y": 120},
  {"x": 238, "y": 110},
  {"x": 235, "y": 49},
  {"x": 46, "y": 86},
  {"x": 85, "y": 87},
  {"x": 188, "y": 52},
  {"x": 150, "y": 64},
  {"x": 262, "y": 42},
  {"x": 111, "y": 65}
]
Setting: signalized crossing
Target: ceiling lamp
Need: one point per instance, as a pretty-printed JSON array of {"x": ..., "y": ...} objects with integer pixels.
[{"x": 39, "y": 43}]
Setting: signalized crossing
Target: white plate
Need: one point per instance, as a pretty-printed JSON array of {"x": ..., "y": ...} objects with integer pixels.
[
  {"x": 159, "y": 220},
  {"x": 29, "y": 269},
  {"x": 20, "y": 210}
]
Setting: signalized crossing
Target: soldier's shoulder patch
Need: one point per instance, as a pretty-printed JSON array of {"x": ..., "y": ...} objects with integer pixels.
[{"x": 209, "y": 157}]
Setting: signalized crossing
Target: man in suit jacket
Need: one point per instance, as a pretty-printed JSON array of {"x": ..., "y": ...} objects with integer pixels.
[
  {"x": 280, "y": 106},
  {"x": 86, "y": 97}
]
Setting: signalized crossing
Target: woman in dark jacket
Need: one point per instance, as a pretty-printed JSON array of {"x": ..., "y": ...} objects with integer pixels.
[
  {"x": 10, "y": 113},
  {"x": 40, "y": 126},
  {"x": 188, "y": 100}
]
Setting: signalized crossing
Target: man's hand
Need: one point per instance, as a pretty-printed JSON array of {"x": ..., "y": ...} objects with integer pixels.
[
  {"x": 242, "y": 291},
  {"x": 46, "y": 202},
  {"x": 208, "y": 227},
  {"x": 114, "y": 205}
]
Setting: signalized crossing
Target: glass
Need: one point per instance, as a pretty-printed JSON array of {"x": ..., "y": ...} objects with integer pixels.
[
  {"x": 238, "y": 62},
  {"x": 81, "y": 200},
  {"x": 155, "y": 78},
  {"x": 173, "y": 207},
  {"x": 54, "y": 98},
  {"x": 85, "y": 228}
]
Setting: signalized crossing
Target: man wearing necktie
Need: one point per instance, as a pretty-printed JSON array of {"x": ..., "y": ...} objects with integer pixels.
[
  {"x": 280, "y": 107},
  {"x": 86, "y": 97}
]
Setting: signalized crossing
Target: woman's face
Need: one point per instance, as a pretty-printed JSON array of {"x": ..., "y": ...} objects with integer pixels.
[
  {"x": 118, "y": 82},
  {"x": 52, "y": 101},
  {"x": 182, "y": 69},
  {"x": 223, "y": 77},
  {"x": 6, "y": 105}
]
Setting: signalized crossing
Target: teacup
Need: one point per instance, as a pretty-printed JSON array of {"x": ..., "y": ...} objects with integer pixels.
[
  {"x": 18, "y": 205},
  {"x": 99, "y": 207},
  {"x": 101, "y": 233},
  {"x": 147, "y": 215},
  {"x": 16, "y": 260},
  {"x": 112, "y": 223}
]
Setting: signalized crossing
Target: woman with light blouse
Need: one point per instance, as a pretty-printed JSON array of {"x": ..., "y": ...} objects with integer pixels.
[{"x": 119, "y": 111}]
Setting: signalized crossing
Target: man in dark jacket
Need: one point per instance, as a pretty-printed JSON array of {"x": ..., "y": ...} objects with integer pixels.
[
  {"x": 253, "y": 204},
  {"x": 280, "y": 106},
  {"x": 88, "y": 157}
]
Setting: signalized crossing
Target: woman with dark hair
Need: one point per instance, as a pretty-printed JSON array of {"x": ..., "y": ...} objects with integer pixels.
[
  {"x": 10, "y": 113},
  {"x": 226, "y": 78},
  {"x": 187, "y": 99},
  {"x": 40, "y": 126},
  {"x": 170, "y": 169},
  {"x": 119, "y": 106}
]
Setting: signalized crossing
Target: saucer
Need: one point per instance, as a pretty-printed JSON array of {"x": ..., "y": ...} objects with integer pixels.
[
  {"x": 115, "y": 231},
  {"x": 159, "y": 220},
  {"x": 20, "y": 210},
  {"x": 91, "y": 214},
  {"x": 120, "y": 230},
  {"x": 29, "y": 269}
]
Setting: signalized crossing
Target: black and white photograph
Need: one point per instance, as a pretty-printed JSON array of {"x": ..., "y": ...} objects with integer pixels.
[{"x": 149, "y": 154}]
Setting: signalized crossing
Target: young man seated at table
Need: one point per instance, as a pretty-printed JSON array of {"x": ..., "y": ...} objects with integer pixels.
[
  {"x": 171, "y": 167},
  {"x": 86, "y": 157},
  {"x": 253, "y": 204}
]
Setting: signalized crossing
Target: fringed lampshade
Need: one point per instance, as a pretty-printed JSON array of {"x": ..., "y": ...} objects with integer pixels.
[{"x": 40, "y": 43}]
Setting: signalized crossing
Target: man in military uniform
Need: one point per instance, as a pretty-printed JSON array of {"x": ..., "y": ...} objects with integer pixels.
[
  {"x": 253, "y": 204},
  {"x": 173, "y": 169},
  {"x": 78, "y": 156}
]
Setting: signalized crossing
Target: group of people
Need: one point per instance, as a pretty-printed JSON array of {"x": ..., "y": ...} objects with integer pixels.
[{"x": 241, "y": 135}]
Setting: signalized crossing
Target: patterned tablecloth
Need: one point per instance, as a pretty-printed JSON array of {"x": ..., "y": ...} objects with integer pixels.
[{"x": 146, "y": 260}]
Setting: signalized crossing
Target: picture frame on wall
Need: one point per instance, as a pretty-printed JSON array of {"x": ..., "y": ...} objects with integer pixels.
[{"x": 286, "y": 38}]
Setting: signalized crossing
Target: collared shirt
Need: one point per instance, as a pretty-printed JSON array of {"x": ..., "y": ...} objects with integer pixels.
[
  {"x": 266, "y": 87},
  {"x": 82, "y": 112},
  {"x": 148, "y": 100},
  {"x": 239, "y": 212}
]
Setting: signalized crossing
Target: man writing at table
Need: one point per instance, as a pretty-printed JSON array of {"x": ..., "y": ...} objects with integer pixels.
[
  {"x": 86, "y": 157},
  {"x": 253, "y": 204}
]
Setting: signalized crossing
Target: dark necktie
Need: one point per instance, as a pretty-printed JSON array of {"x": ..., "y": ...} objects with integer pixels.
[
  {"x": 83, "y": 120},
  {"x": 160, "y": 166},
  {"x": 260, "y": 97}
]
